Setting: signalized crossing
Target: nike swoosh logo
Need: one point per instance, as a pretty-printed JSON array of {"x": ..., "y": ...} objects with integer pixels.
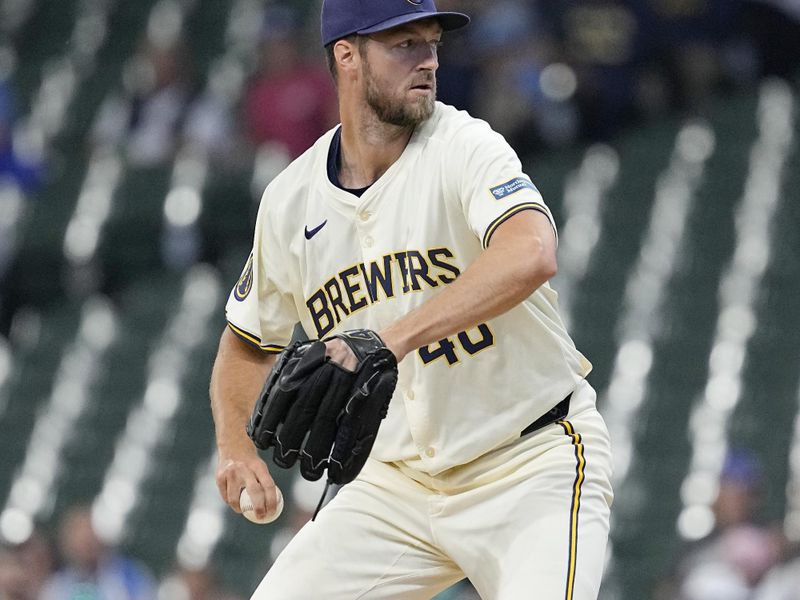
[{"x": 311, "y": 233}]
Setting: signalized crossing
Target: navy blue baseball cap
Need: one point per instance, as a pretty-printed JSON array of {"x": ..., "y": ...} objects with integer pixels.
[{"x": 341, "y": 18}]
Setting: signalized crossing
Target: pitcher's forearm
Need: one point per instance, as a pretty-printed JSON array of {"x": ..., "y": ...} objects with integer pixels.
[
  {"x": 238, "y": 376},
  {"x": 504, "y": 275}
]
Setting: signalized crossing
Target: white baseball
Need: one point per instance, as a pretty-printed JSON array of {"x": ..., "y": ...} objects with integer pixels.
[{"x": 246, "y": 504}]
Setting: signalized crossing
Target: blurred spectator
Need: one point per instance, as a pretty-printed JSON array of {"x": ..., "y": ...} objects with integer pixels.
[
  {"x": 686, "y": 43},
  {"x": 739, "y": 559},
  {"x": 774, "y": 28},
  {"x": 12, "y": 577},
  {"x": 36, "y": 554},
  {"x": 731, "y": 562},
  {"x": 782, "y": 583},
  {"x": 12, "y": 166},
  {"x": 146, "y": 118},
  {"x": 524, "y": 93},
  {"x": 457, "y": 78},
  {"x": 192, "y": 584},
  {"x": 603, "y": 42},
  {"x": 92, "y": 570},
  {"x": 740, "y": 490},
  {"x": 457, "y": 75},
  {"x": 210, "y": 124},
  {"x": 24, "y": 568},
  {"x": 290, "y": 101}
]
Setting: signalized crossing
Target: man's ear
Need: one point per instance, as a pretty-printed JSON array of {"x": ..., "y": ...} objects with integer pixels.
[{"x": 347, "y": 56}]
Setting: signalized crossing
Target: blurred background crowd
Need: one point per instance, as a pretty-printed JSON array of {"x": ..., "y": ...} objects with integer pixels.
[
  {"x": 743, "y": 558},
  {"x": 543, "y": 74},
  {"x": 135, "y": 142}
]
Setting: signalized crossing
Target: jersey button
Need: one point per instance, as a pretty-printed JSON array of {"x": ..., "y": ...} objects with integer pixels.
[
  {"x": 368, "y": 241},
  {"x": 430, "y": 452},
  {"x": 364, "y": 216},
  {"x": 410, "y": 394}
]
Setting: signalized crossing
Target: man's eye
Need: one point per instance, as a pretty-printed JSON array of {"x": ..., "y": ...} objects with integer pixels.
[{"x": 405, "y": 44}]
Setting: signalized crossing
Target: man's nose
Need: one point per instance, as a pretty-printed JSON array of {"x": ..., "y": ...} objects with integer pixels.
[{"x": 430, "y": 61}]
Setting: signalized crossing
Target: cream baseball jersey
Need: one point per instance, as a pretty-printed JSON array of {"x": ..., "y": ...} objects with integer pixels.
[{"x": 334, "y": 261}]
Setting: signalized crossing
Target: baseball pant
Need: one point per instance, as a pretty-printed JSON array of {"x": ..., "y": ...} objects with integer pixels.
[{"x": 527, "y": 520}]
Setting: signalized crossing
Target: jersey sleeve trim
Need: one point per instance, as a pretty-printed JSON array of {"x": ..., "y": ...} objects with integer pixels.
[
  {"x": 487, "y": 237},
  {"x": 254, "y": 341}
]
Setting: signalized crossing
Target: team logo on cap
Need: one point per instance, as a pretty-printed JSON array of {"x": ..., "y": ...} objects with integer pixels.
[
  {"x": 245, "y": 283},
  {"x": 415, "y": 2}
]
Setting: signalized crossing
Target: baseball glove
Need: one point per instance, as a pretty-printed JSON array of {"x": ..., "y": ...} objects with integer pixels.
[{"x": 313, "y": 410}]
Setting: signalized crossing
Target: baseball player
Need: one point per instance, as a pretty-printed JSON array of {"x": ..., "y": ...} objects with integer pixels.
[{"x": 416, "y": 221}]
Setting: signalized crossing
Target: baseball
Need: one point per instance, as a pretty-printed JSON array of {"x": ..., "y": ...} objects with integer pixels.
[{"x": 246, "y": 504}]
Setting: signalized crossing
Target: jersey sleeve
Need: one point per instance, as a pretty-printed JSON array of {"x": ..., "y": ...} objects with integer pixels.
[
  {"x": 493, "y": 187},
  {"x": 260, "y": 309}
]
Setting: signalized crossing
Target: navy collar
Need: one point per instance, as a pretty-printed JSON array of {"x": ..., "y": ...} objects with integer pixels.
[{"x": 335, "y": 162}]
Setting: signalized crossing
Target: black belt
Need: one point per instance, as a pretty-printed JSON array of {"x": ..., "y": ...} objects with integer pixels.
[{"x": 558, "y": 412}]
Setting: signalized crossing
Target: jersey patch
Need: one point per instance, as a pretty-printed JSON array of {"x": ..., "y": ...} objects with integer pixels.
[
  {"x": 245, "y": 283},
  {"x": 512, "y": 187}
]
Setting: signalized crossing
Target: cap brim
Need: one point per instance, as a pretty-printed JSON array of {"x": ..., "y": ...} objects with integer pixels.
[{"x": 449, "y": 21}]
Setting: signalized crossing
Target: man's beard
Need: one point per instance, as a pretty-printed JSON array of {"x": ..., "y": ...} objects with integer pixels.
[{"x": 398, "y": 111}]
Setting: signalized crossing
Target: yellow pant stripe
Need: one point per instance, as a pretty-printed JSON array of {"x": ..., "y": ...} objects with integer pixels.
[{"x": 580, "y": 475}]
